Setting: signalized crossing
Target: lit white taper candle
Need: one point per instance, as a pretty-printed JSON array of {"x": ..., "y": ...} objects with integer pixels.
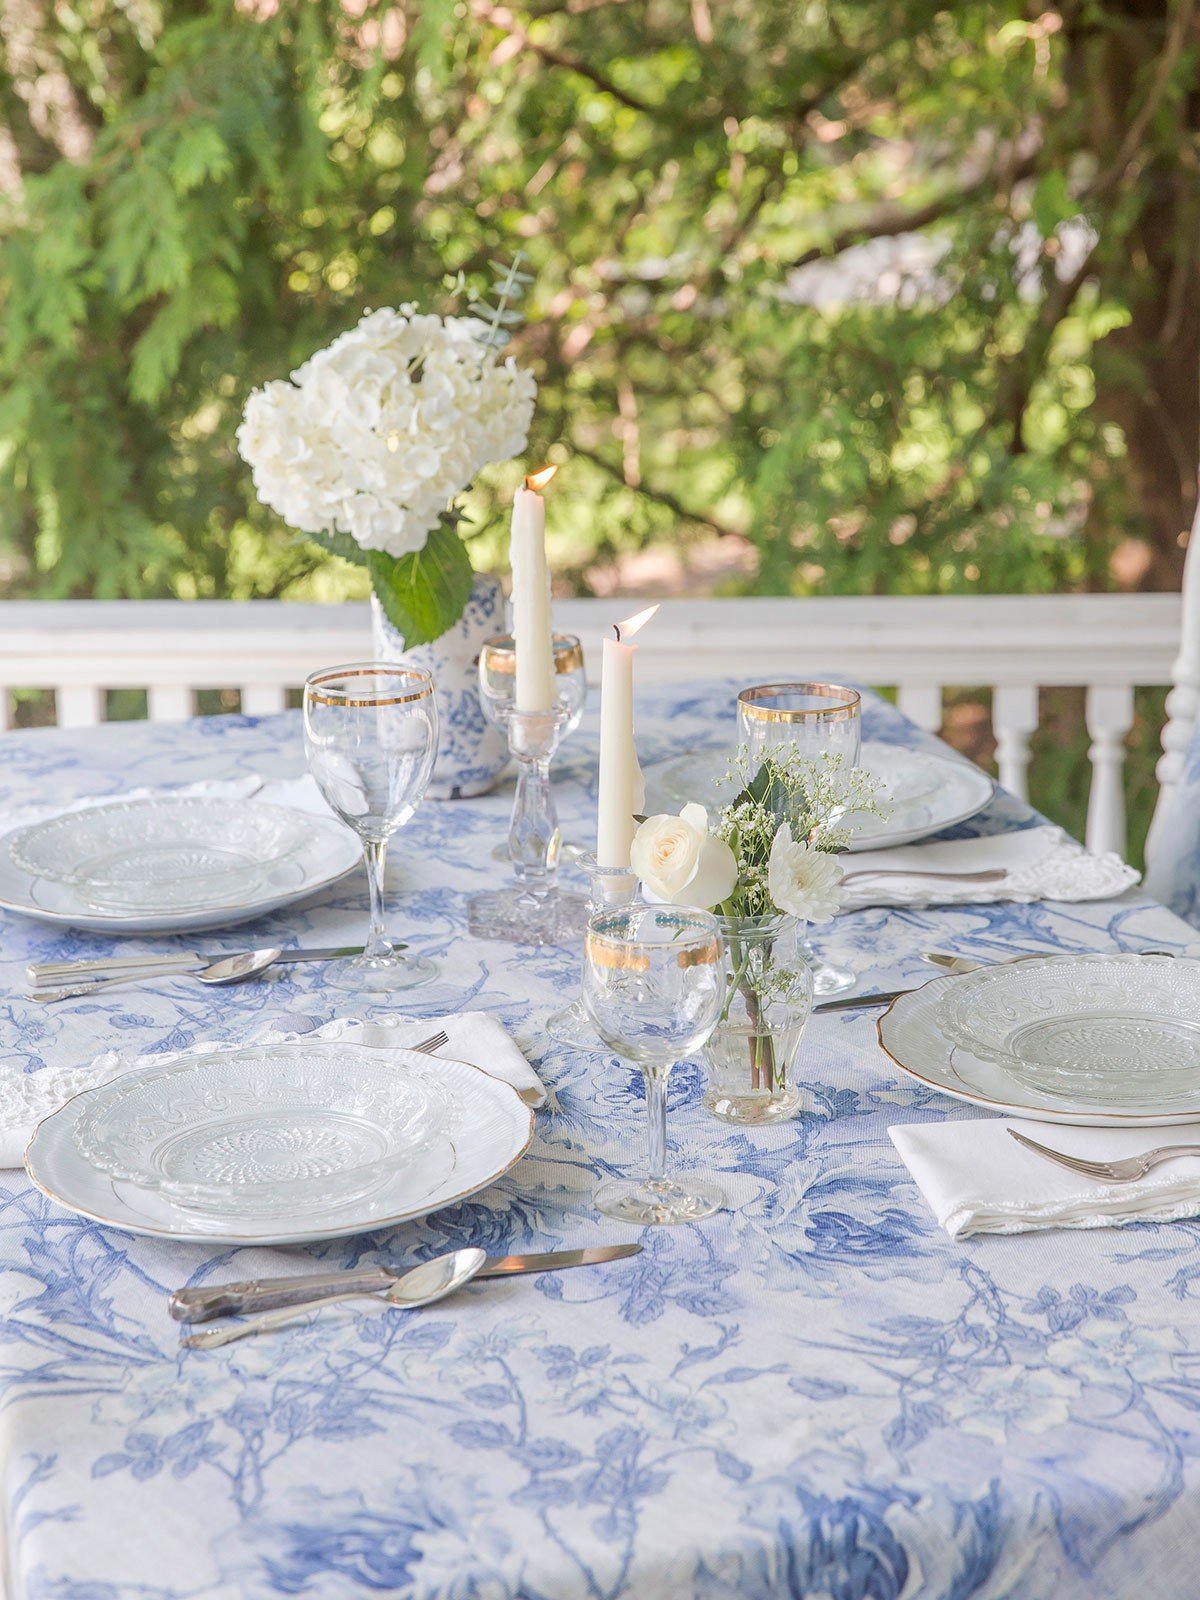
[
  {"x": 621, "y": 788},
  {"x": 533, "y": 630}
]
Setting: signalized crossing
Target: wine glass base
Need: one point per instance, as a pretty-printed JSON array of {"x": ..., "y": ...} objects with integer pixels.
[
  {"x": 827, "y": 979},
  {"x": 752, "y": 1110},
  {"x": 515, "y": 916},
  {"x": 380, "y": 974},
  {"x": 648, "y": 1202},
  {"x": 571, "y": 1026}
]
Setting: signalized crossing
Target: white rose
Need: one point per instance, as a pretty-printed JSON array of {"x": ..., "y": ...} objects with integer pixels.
[
  {"x": 803, "y": 880},
  {"x": 678, "y": 860}
]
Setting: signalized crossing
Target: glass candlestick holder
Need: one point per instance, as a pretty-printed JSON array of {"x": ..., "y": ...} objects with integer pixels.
[
  {"x": 533, "y": 909},
  {"x": 571, "y": 1025},
  {"x": 497, "y": 680}
]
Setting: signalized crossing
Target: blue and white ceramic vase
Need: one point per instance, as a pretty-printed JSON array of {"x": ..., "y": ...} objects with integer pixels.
[{"x": 472, "y": 753}]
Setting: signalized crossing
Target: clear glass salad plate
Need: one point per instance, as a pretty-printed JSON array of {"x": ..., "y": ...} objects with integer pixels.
[
  {"x": 922, "y": 791},
  {"x": 263, "y": 1131},
  {"x": 160, "y": 853},
  {"x": 1098, "y": 1029}
]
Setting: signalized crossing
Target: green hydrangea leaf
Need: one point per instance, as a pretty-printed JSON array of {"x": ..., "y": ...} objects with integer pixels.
[{"x": 425, "y": 593}]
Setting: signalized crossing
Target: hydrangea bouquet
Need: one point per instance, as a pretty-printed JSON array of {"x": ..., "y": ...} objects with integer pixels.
[{"x": 368, "y": 445}]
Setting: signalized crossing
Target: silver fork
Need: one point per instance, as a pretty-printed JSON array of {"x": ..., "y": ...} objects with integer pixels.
[
  {"x": 434, "y": 1042},
  {"x": 1126, "y": 1170}
]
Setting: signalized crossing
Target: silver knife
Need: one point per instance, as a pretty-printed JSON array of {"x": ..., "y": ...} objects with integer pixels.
[
  {"x": 863, "y": 1002},
  {"x": 44, "y": 973},
  {"x": 270, "y": 1294}
]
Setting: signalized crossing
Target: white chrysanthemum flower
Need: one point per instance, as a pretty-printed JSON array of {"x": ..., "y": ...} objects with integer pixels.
[
  {"x": 377, "y": 434},
  {"x": 803, "y": 881}
]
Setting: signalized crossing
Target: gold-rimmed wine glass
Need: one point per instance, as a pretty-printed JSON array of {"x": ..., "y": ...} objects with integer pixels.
[
  {"x": 370, "y": 735},
  {"x": 654, "y": 986}
]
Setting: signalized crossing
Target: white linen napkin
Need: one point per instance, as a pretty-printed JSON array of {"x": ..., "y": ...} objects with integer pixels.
[
  {"x": 474, "y": 1037},
  {"x": 978, "y": 1180},
  {"x": 1042, "y": 863}
]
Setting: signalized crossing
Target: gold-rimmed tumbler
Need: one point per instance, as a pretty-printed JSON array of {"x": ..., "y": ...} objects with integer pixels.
[
  {"x": 370, "y": 735},
  {"x": 811, "y": 719}
]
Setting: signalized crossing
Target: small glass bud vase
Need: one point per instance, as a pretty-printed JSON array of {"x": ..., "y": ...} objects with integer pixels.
[
  {"x": 751, "y": 1053},
  {"x": 533, "y": 910}
]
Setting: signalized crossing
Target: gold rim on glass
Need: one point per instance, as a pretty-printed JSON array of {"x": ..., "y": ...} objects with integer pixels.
[
  {"x": 702, "y": 948},
  {"x": 500, "y": 654},
  {"x": 844, "y": 704},
  {"x": 319, "y": 690}
]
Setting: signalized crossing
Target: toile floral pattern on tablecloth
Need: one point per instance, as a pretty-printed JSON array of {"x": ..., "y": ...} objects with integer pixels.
[{"x": 815, "y": 1394}]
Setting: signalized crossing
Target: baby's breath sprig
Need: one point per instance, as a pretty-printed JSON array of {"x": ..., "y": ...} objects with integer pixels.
[{"x": 816, "y": 798}]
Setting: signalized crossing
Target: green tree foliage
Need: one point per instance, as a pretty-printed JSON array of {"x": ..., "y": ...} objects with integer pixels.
[{"x": 906, "y": 292}]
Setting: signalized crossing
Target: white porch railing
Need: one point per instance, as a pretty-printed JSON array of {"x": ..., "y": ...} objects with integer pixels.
[{"x": 1012, "y": 645}]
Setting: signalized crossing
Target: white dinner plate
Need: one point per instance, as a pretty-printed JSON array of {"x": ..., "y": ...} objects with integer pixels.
[
  {"x": 910, "y": 1032},
  {"x": 487, "y": 1130},
  {"x": 327, "y": 854},
  {"x": 926, "y": 791}
]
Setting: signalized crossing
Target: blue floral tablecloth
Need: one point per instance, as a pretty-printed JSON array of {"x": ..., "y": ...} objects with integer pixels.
[{"x": 815, "y": 1394}]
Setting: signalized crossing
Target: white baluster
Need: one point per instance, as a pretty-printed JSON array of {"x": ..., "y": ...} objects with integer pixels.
[
  {"x": 1183, "y": 702},
  {"x": 1109, "y": 719},
  {"x": 922, "y": 703},
  {"x": 169, "y": 702},
  {"x": 263, "y": 699},
  {"x": 6, "y": 708},
  {"x": 1014, "y": 720},
  {"x": 79, "y": 705}
]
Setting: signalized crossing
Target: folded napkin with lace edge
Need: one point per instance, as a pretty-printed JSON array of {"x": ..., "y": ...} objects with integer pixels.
[
  {"x": 474, "y": 1037},
  {"x": 1041, "y": 863},
  {"x": 978, "y": 1180}
]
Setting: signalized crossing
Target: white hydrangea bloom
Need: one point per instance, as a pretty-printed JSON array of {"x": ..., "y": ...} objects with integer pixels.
[{"x": 376, "y": 434}]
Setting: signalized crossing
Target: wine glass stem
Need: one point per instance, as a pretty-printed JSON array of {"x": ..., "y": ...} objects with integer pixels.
[
  {"x": 375, "y": 856},
  {"x": 656, "y": 1120}
]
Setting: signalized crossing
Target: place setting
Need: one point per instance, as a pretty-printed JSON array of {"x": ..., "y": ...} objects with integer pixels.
[{"x": 695, "y": 928}]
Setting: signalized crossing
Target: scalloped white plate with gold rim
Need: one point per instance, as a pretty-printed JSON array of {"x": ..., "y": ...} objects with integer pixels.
[{"x": 911, "y": 1034}]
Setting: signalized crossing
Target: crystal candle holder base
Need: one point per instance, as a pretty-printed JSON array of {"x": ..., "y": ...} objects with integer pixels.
[{"x": 517, "y": 916}]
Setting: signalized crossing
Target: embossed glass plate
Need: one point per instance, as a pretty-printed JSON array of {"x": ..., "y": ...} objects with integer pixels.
[
  {"x": 160, "y": 853},
  {"x": 1095, "y": 1029},
  {"x": 488, "y": 1129},
  {"x": 923, "y": 791},
  {"x": 263, "y": 1130}
]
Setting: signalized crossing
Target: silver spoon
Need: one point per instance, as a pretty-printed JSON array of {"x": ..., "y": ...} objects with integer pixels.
[
  {"x": 230, "y": 969},
  {"x": 420, "y": 1286}
]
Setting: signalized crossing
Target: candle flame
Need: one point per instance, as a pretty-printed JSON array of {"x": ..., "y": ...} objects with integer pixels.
[
  {"x": 631, "y": 625},
  {"x": 539, "y": 480}
]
